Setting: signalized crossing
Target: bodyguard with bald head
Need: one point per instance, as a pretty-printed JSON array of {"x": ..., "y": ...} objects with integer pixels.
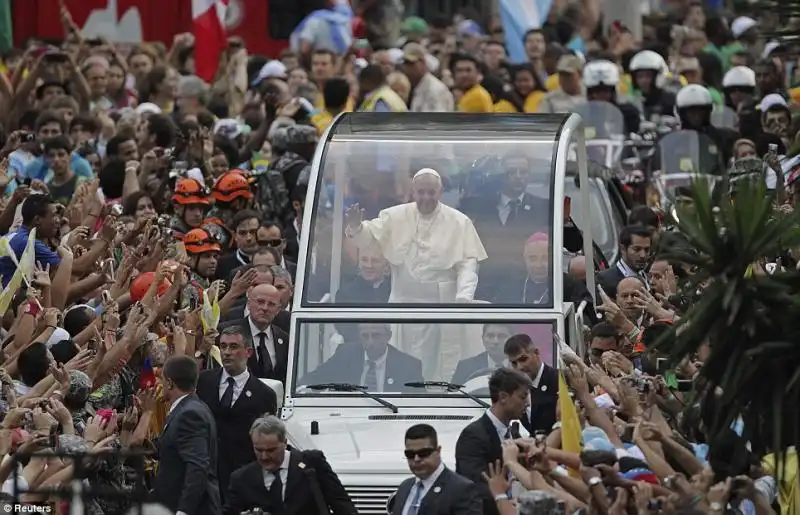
[
  {"x": 270, "y": 344},
  {"x": 433, "y": 252}
]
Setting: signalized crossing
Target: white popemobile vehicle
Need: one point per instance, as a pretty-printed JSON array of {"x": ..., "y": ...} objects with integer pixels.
[{"x": 341, "y": 296}]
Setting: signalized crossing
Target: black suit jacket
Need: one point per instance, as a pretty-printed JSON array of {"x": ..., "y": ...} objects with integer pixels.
[
  {"x": 514, "y": 288},
  {"x": 247, "y": 490},
  {"x": 544, "y": 399},
  {"x": 476, "y": 447},
  {"x": 469, "y": 366},
  {"x": 609, "y": 279},
  {"x": 281, "y": 341},
  {"x": 227, "y": 266},
  {"x": 233, "y": 425},
  {"x": 450, "y": 494},
  {"x": 187, "y": 460},
  {"x": 347, "y": 365}
]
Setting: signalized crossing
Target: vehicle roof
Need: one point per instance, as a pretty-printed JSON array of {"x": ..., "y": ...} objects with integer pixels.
[{"x": 525, "y": 125}]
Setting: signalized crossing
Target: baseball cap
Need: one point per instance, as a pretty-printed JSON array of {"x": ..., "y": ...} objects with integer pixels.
[
  {"x": 569, "y": 64},
  {"x": 770, "y": 101},
  {"x": 469, "y": 28},
  {"x": 414, "y": 25},
  {"x": 413, "y": 52},
  {"x": 271, "y": 70}
]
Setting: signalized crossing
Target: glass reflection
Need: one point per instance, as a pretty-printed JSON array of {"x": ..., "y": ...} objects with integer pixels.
[
  {"x": 375, "y": 354},
  {"x": 439, "y": 222}
]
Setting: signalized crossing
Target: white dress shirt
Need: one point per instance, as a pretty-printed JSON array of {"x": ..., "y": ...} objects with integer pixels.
[
  {"x": 255, "y": 331},
  {"x": 500, "y": 427},
  {"x": 427, "y": 484},
  {"x": 238, "y": 384},
  {"x": 380, "y": 370},
  {"x": 269, "y": 476},
  {"x": 176, "y": 402},
  {"x": 504, "y": 208}
]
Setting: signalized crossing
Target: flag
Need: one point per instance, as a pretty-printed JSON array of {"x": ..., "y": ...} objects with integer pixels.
[
  {"x": 24, "y": 272},
  {"x": 517, "y": 17},
  {"x": 210, "y": 39},
  {"x": 209, "y": 314},
  {"x": 570, "y": 423}
]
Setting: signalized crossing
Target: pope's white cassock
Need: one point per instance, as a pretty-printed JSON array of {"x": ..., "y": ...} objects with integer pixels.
[{"x": 434, "y": 260}]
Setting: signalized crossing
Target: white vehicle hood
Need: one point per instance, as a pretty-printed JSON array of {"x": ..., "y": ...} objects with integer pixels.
[{"x": 356, "y": 445}]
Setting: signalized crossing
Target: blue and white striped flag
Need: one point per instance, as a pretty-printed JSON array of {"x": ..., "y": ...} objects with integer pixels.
[{"x": 518, "y": 17}]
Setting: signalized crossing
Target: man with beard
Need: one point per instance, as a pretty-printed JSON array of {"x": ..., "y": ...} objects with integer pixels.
[{"x": 634, "y": 244}]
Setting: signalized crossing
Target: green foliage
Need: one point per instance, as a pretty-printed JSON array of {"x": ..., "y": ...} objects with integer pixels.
[{"x": 752, "y": 322}]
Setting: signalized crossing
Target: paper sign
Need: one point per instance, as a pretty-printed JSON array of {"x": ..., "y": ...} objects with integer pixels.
[
  {"x": 591, "y": 132},
  {"x": 686, "y": 164}
]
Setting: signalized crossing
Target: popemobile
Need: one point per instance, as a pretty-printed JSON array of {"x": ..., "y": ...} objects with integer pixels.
[{"x": 428, "y": 239}]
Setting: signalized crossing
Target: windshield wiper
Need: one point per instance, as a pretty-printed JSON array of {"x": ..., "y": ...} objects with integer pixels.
[
  {"x": 450, "y": 387},
  {"x": 348, "y": 387}
]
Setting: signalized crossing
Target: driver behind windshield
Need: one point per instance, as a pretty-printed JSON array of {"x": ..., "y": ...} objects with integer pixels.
[
  {"x": 694, "y": 105},
  {"x": 601, "y": 79},
  {"x": 494, "y": 337},
  {"x": 647, "y": 75},
  {"x": 371, "y": 362}
]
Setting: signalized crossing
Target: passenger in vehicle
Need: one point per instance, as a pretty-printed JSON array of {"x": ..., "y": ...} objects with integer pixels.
[
  {"x": 433, "y": 251},
  {"x": 372, "y": 363},
  {"x": 494, "y": 336},
  {"x": 371, "y": 285}
]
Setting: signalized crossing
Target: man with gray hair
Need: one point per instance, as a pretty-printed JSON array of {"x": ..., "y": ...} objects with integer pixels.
[{"x": 315, "y": 488}]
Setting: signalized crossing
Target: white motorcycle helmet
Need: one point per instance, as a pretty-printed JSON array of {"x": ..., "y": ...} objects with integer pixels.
[
  {"x": 693, "y": 95},
  {"x": 600, "y": 74},
  {"x": 647, "y": 60},
  {"x": 739, "y": 77}
]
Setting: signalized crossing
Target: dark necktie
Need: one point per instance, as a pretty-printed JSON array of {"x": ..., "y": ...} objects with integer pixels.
[
  {"x": 227, "y": 397},
  {"x": 371, "y": 379},
  {"x": 416, "y": 500},
  {"x": 276, "y": 488},
  {"x": 263, "y": 354},
  {"x": 513, "y": 207}
]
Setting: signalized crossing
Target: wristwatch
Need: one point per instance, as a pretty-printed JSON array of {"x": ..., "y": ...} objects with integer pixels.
[
  {"x": 594, "y": 481},
  {"x": 716, "y": 506}
]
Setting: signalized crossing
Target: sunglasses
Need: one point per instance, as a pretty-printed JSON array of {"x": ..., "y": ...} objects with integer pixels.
[
  {"x": 422, "y": 453},
  {"x": 271, "y": 243}
]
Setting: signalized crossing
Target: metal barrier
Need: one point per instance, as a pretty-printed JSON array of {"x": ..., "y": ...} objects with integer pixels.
[{"x": 78, "y": 494}]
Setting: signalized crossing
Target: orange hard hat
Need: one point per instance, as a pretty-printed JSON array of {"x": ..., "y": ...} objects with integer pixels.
[
  {"x": 232, "y": 185},
  {"x": 189, "y": 191},
  {"x": 142, "y": 283},
  {"x": 198, "y": 241}
]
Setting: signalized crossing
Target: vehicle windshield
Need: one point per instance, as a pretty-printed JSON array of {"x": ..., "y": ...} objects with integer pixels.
[
  {"x": 419, "y": 240},
  {"x": 383, "y": 356}
]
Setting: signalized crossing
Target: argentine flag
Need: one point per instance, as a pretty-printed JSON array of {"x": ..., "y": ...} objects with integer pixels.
[{"x": 518, "y": 17}]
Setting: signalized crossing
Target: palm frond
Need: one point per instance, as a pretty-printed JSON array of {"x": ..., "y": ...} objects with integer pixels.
[{"x": 751, "y": 322}]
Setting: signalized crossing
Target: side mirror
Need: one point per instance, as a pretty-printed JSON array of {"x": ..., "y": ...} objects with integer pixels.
[{"x": 277, "y": 387}]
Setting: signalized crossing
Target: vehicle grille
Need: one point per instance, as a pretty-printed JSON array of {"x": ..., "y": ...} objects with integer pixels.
[
  {"x": 420, "y": 417},
  {"x": 370, "y": 499}
]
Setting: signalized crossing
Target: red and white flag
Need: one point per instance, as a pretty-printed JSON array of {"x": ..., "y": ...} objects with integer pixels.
[{"x": 210, "y": 40}]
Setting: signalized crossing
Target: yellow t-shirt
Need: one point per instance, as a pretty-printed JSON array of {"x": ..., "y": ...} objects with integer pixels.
[
  {"x": 532, "y": 101},
  {"x": 552, "y": 83},
  {"x": 348, "y": 107},
  {"x": 504, "y": 106},
  {"x": 476, "y": 100}
]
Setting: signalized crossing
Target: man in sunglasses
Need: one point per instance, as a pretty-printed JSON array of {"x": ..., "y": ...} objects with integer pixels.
[
  {"x": 453, "y": 494},
  {"x": 270, "y": 234},
  {"x": 604, "y": 338}
]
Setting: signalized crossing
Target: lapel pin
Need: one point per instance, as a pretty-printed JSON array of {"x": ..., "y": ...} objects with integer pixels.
[
  {"x": 280, "y": 341},
  {"x": 248, "y": 394},
  {"x": 527, "y": 207},
  {"x": 301, "y": 465},
  {"x": 390, "y": 381},
  {"x": 437, "y": 489},
  {"x": 543, "y": 388}
]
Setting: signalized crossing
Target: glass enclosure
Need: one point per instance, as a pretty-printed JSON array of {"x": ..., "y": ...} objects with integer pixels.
[
  {"x": 377, "y": 237},
  {"x": 380, "y": 355}
]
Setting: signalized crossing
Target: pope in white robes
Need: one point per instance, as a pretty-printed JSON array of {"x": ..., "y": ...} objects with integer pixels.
[{"x": 433, "y": 251}]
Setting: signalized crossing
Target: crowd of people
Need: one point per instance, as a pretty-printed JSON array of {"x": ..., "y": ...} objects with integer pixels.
[{"x": 152, "y": 227}]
